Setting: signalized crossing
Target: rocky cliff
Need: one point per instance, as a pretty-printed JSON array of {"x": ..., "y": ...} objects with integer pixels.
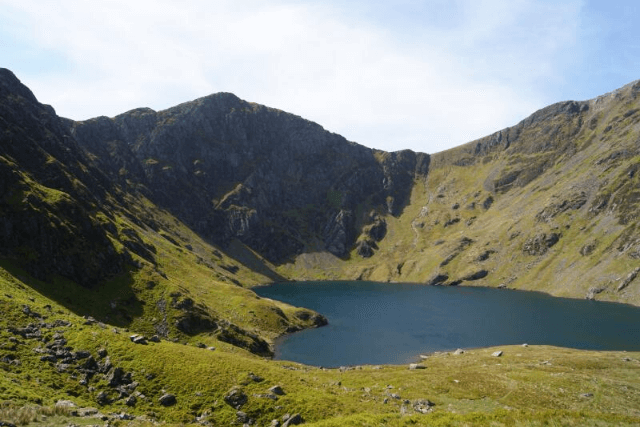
[{"x": 237, "y": 170}]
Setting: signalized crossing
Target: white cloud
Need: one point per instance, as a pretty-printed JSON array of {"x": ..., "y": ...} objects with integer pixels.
[{"x": 448, "y": 85}]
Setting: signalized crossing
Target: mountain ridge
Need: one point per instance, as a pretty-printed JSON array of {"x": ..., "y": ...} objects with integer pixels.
[{"x": 156, "y": 224}]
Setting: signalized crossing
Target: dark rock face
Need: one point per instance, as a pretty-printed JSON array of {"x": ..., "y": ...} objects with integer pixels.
[
  {"x": 234, "y": 169},
  {"x": 540, "y": 244},
  {"x": 50, "y": 192}
]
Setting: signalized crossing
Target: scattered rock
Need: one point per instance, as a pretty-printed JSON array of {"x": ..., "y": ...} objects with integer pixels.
[
  {"x": 293, "y": 420},
  {"x": 255, "y": 378},
  {"x": 458, "y": 352},
  {"x": 476, "y": 276},
  {"x": 497, "y": 353},
  {"x": 236, "y": 398},
  {"x": 138, "y": 339},
  {"x": 423, "y": 406},
  {"x": 276, "y": 389},
  {"x": 414, "y": 366},
  {"x": 591, "y": 294},
  {"x": 131, "y": 401},
  {"x": 438, "y": 280},
  {"x": 154, "y": 338},
  {"x": 168, "y": 399},
  {"x": 81, "y": 354},
  {"x": 103, "y": 398},
  {"x": 586, "y": 395},
  {"x": 525, "y": 345},
  {"x": 630, "y": 278},
  {"x": 102, "y": 353},
  {"x": 540, "y": 244},
  {"x": 243, "y": 418}
]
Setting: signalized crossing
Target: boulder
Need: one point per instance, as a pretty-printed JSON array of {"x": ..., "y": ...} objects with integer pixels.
[
  {"x": 293, "y": 420},
  {"x": 236, "y": 398},
  {"x": 168, "y": 399},
  {"x": 497, "y": 353},
  {"x": 423, "y": 406},
  {"x": 277, "y": 390}
]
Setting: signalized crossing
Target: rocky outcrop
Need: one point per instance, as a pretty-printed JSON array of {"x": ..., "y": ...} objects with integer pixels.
[
  {"x": 51, "y": 194},
  {"x": 237, "y": 170}
]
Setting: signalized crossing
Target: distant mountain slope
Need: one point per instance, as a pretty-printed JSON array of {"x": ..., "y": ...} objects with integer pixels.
[
  {"x": 237, "y": 170},
  {"x": 550, "y": 204}
]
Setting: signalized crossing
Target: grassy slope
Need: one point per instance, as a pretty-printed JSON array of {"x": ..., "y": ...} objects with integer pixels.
[
  {"x": 529, "y": 385},
  {"x": 419, "y": 240}
]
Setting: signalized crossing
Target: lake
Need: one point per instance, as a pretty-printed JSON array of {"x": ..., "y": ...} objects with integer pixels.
[{"x": 382, "y": 323}]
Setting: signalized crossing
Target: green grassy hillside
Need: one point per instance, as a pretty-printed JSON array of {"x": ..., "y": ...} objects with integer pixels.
[{"x": 123, "y": 306}]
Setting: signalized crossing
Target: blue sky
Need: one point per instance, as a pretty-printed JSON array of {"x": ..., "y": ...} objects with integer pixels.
[{"x": 425, "y": 75}]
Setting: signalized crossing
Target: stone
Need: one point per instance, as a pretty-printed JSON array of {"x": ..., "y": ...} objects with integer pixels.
[
  {"x": 102, "y": 353},
  {"x": 131, "y": 401},
  {"x": 154, "y": 338},
  {"x": 242, "y": 418},
  {"x": 497, "y": 353},
  {"x": 293, "y": 420},
  {"x": 630, "y": 278},
  {"x": 414, "y": 366},
  {"x": 103, "y": 398},
  {"x": 423, "y": 406},
  {"x": 167, "y": 399},
  {"x": 255, "y": 378},
  {"x": 236, "y": 398},
  {"x": 115, "y": 377},
  {"x": 81, "y": 354},
  {"x": 277, "y": 390},
  {"x": 458, "y": 352}
]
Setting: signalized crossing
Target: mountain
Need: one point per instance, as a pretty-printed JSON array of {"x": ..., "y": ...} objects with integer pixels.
[{"x": 158, "y": 223}]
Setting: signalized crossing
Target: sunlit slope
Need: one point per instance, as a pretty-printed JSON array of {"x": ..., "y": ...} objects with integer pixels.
[{"x": 550, "y": 205}]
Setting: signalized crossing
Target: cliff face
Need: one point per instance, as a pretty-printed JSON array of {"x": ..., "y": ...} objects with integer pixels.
[
  {"x": 548, "y": 204},
  {"x": 236, "y": 170},
  {"x": 51, "y": 194}
]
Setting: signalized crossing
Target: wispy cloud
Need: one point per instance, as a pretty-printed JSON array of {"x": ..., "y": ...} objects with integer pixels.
[{"x": 425, "y": 86}]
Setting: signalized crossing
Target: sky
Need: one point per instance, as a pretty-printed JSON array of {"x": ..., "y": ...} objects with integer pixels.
[{"x": 425, "y": 75}]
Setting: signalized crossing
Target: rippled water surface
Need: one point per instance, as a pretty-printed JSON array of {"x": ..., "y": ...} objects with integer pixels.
[{"x": 378, "y": 323}]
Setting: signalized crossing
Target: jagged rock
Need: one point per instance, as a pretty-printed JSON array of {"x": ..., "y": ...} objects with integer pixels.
[
  {"x": 458, "y": 352},
  {"x": 167, "y": 399},
  {"x": 115, "y": 378},
  {"x": 236, "y": 398},
  {"x": 81, "y": 354},
  {"x": 255, "y": 378},
  {"x": 630, "y": 278},
  {"x": 477, "y": 275},
  {"x": 423, "y": 406},
  {"x": 540, "y": 244},
  {"x": 414, "y": 366},
  {"x": 138, "y": 339},
  {"x": 293, "y": 420},
  {"x": 593, "y": 291},
  {"x": 497, "y": 353},
  {"x": 102, "y": 353},
  {"x": 277, "y": 390},
  {"x": 243, "y": 418},
  {"x": 365, "y": 248},
  {"x": 103, "y": 398},
  {"x": 438, "y": 279}
]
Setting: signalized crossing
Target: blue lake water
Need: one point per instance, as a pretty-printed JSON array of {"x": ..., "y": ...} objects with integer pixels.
[{"x": 380, "y": 323}]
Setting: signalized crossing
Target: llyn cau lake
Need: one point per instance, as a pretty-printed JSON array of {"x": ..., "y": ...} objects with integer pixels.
[{"x": 380, "y": 323}]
